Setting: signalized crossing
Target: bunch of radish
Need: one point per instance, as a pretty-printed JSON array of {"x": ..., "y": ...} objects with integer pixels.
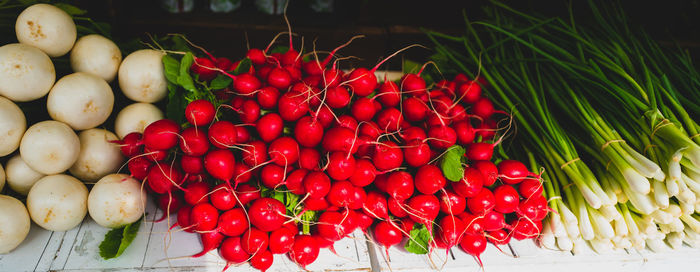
[{"x": 301, "y": 153}]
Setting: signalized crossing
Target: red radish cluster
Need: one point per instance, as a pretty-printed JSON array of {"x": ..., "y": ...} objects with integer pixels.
[{"x": 361, "y": 153}]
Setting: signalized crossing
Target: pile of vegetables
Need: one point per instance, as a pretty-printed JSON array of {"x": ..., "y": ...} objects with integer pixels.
[
  {"x": 607, "y": 111},
  {"x": 285, "y": 153}
]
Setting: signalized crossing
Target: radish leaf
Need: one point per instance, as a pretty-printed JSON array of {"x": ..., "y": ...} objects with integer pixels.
[
  {"x": 117, "y": 240},
  {"x": 220, "y": 82},
  {"x": 419, "y": 240},
  {"x": 451, "y": 163}
]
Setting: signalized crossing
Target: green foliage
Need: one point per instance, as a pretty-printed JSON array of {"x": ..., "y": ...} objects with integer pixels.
[{"x": 118, "y": 239}]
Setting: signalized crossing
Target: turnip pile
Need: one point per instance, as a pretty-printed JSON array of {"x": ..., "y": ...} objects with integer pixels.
[{"x": 286, "y": 153}]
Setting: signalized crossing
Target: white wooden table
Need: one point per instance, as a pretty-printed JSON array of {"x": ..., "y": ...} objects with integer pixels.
[{"x": 156, "y": 249}]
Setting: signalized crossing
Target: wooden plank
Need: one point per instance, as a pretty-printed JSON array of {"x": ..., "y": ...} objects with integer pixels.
[
  {"x": 57, "y": 250},
  {"x": 27, "y": 255}
]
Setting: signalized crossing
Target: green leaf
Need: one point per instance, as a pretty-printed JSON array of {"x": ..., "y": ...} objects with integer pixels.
[
  {"x": 175, "y": 109},
  {"x": 220, "y": 82},
  {"x": 172, "y": 68},
  {"x": 279, "y": 196},
  {"x": 419, "y": 241},
  {"x": 279, "y": 49},
  {"x": 410, "y": 66},
  {"x": 292, "y": 200},
  {"x": 243, "y": 66},
  {"x": 306, "y": 219},
  {"x": 70, "y": 9},
  {"x": 186, "y": 63},
  {"x": 451, "y": 163},
  {"x": 118, "y": 239}
]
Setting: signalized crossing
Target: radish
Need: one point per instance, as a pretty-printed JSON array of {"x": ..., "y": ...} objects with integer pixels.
[
  {"x": 483, "y": 108},
  {"x": 142, "y": 77},
  {"x": 281, "y": 240},
  {"x": 316, "y": 204},
  {"x": 247, "y": 193},
  {"x": 469, "y": 92},
  {"x": 442, "y": 137},
  {"x": 197, "y": 192},
  {"x": 340, "y": 193},
  {"x": 317, "y": 184},
  {"x": 340, "y": 166},
  {"x": 204, "y": 217},
  {"x": 381, "y": 182},
  {"x": 97, "y": 157},
  {"x": 507, "y": 199},
  {"x": 304, "y": 251},
  {"x": 262, "y": 261},
  {"x": 413, "y": 133},
  {"x": 494, "y": 220},
  {"x": 194, "y": 142},
  {"x": 363, "y": 109},
  {"x": 161, "y": 135},
  {"x": 256, "y": 56},
  {"x": 46, "y": 27},
  {"x": 284, "y": 151},
  {"x": 223, "y": 134},
  {"x": 400, "y": 185},
  {"x": 295, "y": 181},
  {"x": 451, "y": 230},
  {"x": 357, "y": 198},
  {"x": 487, "y": 129},
  {"x": 388, "y": 94},
  {"x": 324, "y": 115},
  {"x": 534, "y": 208},
  {"x": 424, "y": 209},
  {"x": 57, "y": 202},
  {"x": 465, "y": 132},
  {"x": 292, "y": 106},
  {"x": 130, "y": 145},
  {"x": 429, "y": 179},
  {"x": 162, "y": 177},
  {"x": 364, "y": 221},
  {"x": 390, "y": 119},
  {"x": 407, "y": 225},
  {"x": 369, "y": 129},
  {"x": 474, "y": 224},
  {"x": 512, "y": 171},
  {"x": 184, "y": 219},
  {"x": 269, "y": 127},
  {"x": 246, "y": 84},
  {"x": 267, "y": 97},
  {"x": 249, "y": 112},
  {"x": 222, "y": 198},
  {"x": 254, "y": 241},
  {"x": 417, "y": 153},
  {"x": 12, "y": 126},
  {"x": 169, "y": 204},
  {"x": 192, "y": 165},
  {"x": 220, "y": 164},
  {"x": 529, "y": 188},
  {"x": 267, "y": 214},
  {"x": 200, "y": 112},
  {"x": 279, "y": 78},
  {"x": 412, "y": 83},
  {"x": 397, "y": 207},
  {"x": 387, "y": 156},
  {"x": 488, "y": 170},
  {"x": 50, "y": 147},
  {"x": 309, "y": 158},
  {"x": 331, "y": 226},
  {"x": 387, "y": 235},
  {"x": 155, "y": 155},
  {"x": 414, "y": 109},
  {"x": 340, "y": 139},
  {"x": 204, "y": 68},
  {"x": 480, "y": 151},
  {"x": 232, "y": 251},
  {"x": 272, "y": 176},
  {"x": 452, "y": 203},
  {"x": 135, "y": 118},
  {"x": 481, "y": 203},
  {"x": 27, "y": 72},
  {"x": 471, "y": 183},
  {"x": 242, "y": 134},
  {"x": 376, "y": 205},
  {"x": 498, "y": 237},
  {"x": 19, "y": 176},
  {"x": 364, "y": 174},
  {"x": 233, "y": 222},
  {"x": 139, "y": 167},
  {"x": 15, "y": 225},
  {"x": 337, "y": 97},
  {"x": 308, "y": 132},
  {"x": 473, "y": 245},
  {"x": 210, "y": 240},
  {"x": 116, "y": 200},
  {"x": 524, "y": 228},
  {"x": 347, "y": 121}
]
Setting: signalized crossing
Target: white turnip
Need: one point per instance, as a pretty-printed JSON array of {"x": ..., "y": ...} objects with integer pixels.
[
  {"x": 135, "y": 118},
  {"x": 46, "y": 27},
  {"x": 141, "y": 76},
  {"x": 80, "y": 100},
  {"x": 15, "y": 223},
  {"x": 98, "y": 157},
  {"x": 12, "y": 126},
  {"x": 49, "y": 147},
  {"x": 26, "y": 73},
  {"x": 19, "y": 176},
  {"x": 57, "y": 202},
  {"x": 96, "y": 55},
  {"x": 116, "y": 200}
]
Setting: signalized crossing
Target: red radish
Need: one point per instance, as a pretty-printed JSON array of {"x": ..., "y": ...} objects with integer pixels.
[
  {"x": 139, "y": 167},
  {"x": 324, "y": 243},
  {"x": 246, "y": 84},
  {"x": 364, "y": 221},
  {"x": 438, "y": 120},
  {"x": 469, "y": 92},
  {"x": 347, "y": 121},
  {"x": 447, "y": 85},
  {"x": 155, "y": 155},
  {"x": 340, "y": 166},
  {"x": 376, "y": 205},
  {"x": 487, "y": 129},
  {"x": 130, "y": 145},
  {"x": 254, "y": 241},
  {"x": 210, "y": 240},
  {"x": 512, "y": 171},
  {"x": 414, "y": 109},
  {"x": 429, "y": 179},
  {"x": 269, "y": 127},
  {"x": 424, "y": 209},
  {"x": 205, "y": 68},
  {"x": 340, "y": 193},
  {"x": 196, "y": 193},
  {"x": 249, "y": 112},
  {"x": 262, "y": 72},
  {"x": 204, "y": 217},
  {"x": 357, "y": 198},
  {"x": 304, "y": 251},
  {"x": 222, "y": 198},
  {"x": 400, "y": 185},
  {"x": 233, "y": 222},
  {"x": 242, "y": 134},
  {"x": 369, "y": 129},
  {"x": 340, "y": 139},
  {"x": 507, "y": 199},
  {"x": 220, "y": 164},
  {"x": 222, "y": 134},
  {"x": 442, "y": 137},
  {"x": 460, "y": 78},
  {"x": 529, "y": 188},
  {"x": 169, "y": 204},
  {"x": 308, "y": 132},
  {"x": 363, "y": 109},
  {"x": 316, "y": 204},
  {"x": 309, "y": 158},
  {"x": 331, "y": 77},
  {"x": 412, "y": 83},
  {"x": 330, "y": 226},
  {"x": 317, "y": 184},
  {"x": 483, "y": 108},
  {"x": 413, "y": 133},
  {"x": 417, "y": 153},
  {"x": 534, "y": 208},
  {"x": 254, "y": 153},
  {"x": 362, "y": 81},
  {"x": 381, "y": 182},
  {"x": 494, "y": 220},
  {"x": 387, "y": 235},
  {"x": 200, "y": 112},
  {"x": 524, "y": 228},
  {"x": 388, "y": 94},
  {"x": 390, "y": 119},
  {"x": 161, "y": 135},
  {"x": 480, "y": 151},
  {"x": 465, "y": 132},
  {"x": 387, "y": 155},
  {"x": 184, "y": 220},
  {"x": 162, "y": 176},
  {"x": 397, "y": 207},
  {"x": 272, "y": 176},
  {"x": 237, "y": 103},
  {"x": 256, "y": 56},
  {"x": 224, "y": 64},
  {"x": 458, "y": 114},
  {"x": 292, "y": 106},
  {"x": 241, "y": 173},
  {"x": 470, "y": 185},
  {"x": 267, "y": 97},
  {"x": 281, "y": 240},
  {"x": 481, "y": 203},
  {"x": 337, "y": 97},
  {"x": 279, "y": 78},
  {"x": 451, "y": 203},
  {"x": 192, "y": 165},
  {"x": 406, "y": 225},
  {"x": 284, "y": 151},
  {"x": 364, "y": 174},
  {"x": 267, "y": 214},
  {"x": 262, "y": 261},
  {"x": 232, "y": 251},
  {"x": 247, "y": 193},
  {"x": 473, "y": 245},
  {"x": 295, "y": 181},
  {"x": 451, "y": 230},
  {"x": 194, "y": 142},
  {"x": 498, "y": 237},
  {"x": 488, "y": 170},
  {"x": 323, "y": 115}
]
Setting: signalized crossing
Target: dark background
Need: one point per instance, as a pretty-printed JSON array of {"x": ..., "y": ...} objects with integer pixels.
[{"x": 387, "y": 25}]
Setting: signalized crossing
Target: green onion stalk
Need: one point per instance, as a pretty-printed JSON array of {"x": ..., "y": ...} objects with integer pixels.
[{"x": 606, "y": 111}]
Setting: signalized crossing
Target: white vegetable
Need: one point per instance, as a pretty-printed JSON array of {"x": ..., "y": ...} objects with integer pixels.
[
  {"x": 96, "y": 55},
  {"x": 2, "y": 178},
  {"x": 12, "y": 126},
  {"x": 20, "y": 177},
  {"x": 98, "y": 157},
  {"x": 135, "y": 118},
  {"x": 15, "y": 223},
  {"x": 116, "y": 200},
  {"x": 46, "y": 27},
  {"x": 58, "y": 202},
  {"x": 26, "y": 73},
  {"x": 141, "y": 76},
  {"x": 50, "y": 147},
  {"x": 80, "y": 100}
]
